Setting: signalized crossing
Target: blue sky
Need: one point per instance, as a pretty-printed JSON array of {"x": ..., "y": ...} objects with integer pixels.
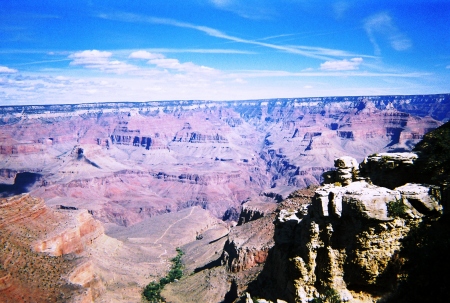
[{"x": 54, "y": 51}]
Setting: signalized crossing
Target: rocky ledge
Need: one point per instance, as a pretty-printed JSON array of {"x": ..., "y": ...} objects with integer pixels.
[
  {"x": 41, "y": 252},
  {"x": 349, "y": 239}
]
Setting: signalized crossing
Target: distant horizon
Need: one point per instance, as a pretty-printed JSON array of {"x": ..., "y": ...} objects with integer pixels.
[
  {"x": 224, "y": 101},
  {"x": 89, "y": 51}
]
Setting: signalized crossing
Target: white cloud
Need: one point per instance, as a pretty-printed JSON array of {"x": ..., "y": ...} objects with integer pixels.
[
  {"x": 7, "y": 70},
  {"x": 90, "y": 57},
  {"x": 383, "y": 25},
  {"x": 100, "y": 60},
  {"x": 141, "y": 54},
  {"x": 190, "y": 50},
  {"x": 174, "y": 64},
  {"x": 448, "y": 66},
  {"x": 339, "y": 65},
  {"x": 336, "y": 73}
]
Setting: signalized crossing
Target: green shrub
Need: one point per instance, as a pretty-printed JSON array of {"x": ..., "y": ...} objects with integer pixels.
[
  {"x": 396, "y": 208},
  {"x": 152, "y": 292}
]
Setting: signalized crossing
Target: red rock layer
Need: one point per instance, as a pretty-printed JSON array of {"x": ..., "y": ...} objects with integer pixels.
[{"x": 27, "y": 275}]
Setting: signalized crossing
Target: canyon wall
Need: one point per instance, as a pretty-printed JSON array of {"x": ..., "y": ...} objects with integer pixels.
[{"x": 125, "y": 162}]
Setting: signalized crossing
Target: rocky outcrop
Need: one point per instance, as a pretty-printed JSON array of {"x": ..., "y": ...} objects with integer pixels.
[
  {"x": 194, "y": 137},
  {"x": 253, "y": 210},
  {"x": 347, "y": 171},
  {"x": 84, "y": 231},
  {"x": 41, "y": 252},
  {"x": 351, "y": 236},
  {"x": 248, "y": 245},
  {"x": 389, "y": 169}
]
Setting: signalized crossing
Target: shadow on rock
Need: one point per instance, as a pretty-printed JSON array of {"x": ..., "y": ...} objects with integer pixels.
[{"x": 22, "y": 184}]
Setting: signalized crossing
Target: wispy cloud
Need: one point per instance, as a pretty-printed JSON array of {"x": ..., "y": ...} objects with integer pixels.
[
  {"x": 43, "y": 61},
  {"x": 7, "y": 70},
  {"x": 335, "y": 73},
  {"x": 250, "y": 9},
  {"x": 383, "y": 25},
  {"x": 200, "y": 51},
  {"x": 310, "y": 52},
  {"x": 275, "y": 36},
  {"x": 345, "y": 64},
  {"x": 328, "y": 52},
  {"x": 340, "y": 8},
  {"x": 160, "y": 61}
]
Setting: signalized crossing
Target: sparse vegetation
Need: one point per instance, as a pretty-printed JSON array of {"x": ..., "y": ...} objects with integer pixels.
[
  {"x": 396, "y": 208},
  {"x": 152, "y": 292},
  {"x": 329, "y": 296}
]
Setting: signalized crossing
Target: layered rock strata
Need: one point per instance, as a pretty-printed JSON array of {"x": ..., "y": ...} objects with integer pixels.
[
  {"x": 350, "y": 238},
  {"x": 126, "y": 162},
  {"x": 40, "y": 253}
]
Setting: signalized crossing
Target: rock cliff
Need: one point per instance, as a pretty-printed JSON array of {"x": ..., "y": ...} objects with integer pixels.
[
  {"x": 351, "y": 239},
  {"x": 60, "y": 274}
]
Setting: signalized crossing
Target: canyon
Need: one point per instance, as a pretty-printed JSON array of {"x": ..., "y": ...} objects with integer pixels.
[
  {"x": 103, "y": 193},
  {"x": 125, "y": 162}
]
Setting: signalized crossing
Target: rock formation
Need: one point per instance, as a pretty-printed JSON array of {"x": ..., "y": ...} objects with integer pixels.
[
  {"x": 351, "y": 238},
  {"x": 129, "y": 161},
  {"x": 155, "y": 173},
  {"x": 28, "y": 228},
  {"x": 239, "y": 255}
]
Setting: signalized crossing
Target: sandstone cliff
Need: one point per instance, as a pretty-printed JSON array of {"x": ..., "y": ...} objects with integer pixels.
[
  {"x": 351, "y": 239},
  {"x": 28, "y": 228}
]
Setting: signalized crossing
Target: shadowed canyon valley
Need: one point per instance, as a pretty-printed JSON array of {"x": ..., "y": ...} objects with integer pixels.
[{"x": 97, "y": 197}]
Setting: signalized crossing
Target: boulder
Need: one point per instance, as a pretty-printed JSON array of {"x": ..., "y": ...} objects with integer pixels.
[
  {"x": 359, "y": 199},
  {"x": 345, "y": 162},
  {"x": 424, "y": 198},
  {"x": 389, "y": 169}
]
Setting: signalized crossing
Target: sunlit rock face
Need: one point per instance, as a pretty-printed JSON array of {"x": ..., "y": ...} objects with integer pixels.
[
  {"x": 351, "y": 237},
  {"x": 125, "y": 162},
  {"x": 43, "y": 252}
]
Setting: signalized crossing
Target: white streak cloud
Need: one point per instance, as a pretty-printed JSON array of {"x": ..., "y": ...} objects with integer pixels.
[
  {"x": 310, "y": 52},
  {"x": 339, "y": 65}
]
